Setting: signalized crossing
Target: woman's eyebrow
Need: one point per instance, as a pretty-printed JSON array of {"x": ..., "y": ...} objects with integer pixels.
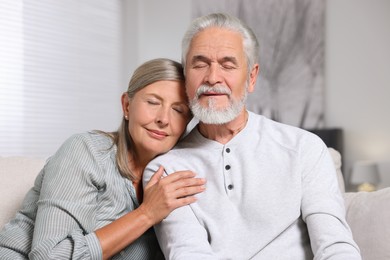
[
  {"x": 178, "y": 102},
  {"x": 153, "y": 95}
]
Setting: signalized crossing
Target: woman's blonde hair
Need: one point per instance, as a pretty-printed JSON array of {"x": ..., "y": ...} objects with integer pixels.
[{"x": 146, "y": 74}]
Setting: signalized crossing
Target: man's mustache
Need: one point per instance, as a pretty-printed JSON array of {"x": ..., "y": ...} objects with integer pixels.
[{"x": 219, "y": 89}]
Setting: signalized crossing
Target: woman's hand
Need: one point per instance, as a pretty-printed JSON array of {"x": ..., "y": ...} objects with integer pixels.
[{"x": 162, "y": 195}]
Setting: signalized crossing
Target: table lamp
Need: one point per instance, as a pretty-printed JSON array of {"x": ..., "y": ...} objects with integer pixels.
[{"x": 365, "y": 175}]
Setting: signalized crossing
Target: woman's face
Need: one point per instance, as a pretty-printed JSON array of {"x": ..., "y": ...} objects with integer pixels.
[{"x": 157, "y": 116}]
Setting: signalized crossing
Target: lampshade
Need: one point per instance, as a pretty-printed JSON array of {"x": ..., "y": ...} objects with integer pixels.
[{"x": 365, "y": 172}]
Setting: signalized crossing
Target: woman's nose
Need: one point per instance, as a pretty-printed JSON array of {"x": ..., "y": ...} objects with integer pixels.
[{"x": 162, "y": 117}]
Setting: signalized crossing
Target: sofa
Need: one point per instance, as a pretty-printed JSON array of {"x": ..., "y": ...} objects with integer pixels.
[{"x": 368, "y": 213}]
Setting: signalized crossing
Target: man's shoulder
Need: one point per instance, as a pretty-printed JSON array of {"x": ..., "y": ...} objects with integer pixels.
[
  {"x": 178, "y": 152},
  {"x": 286, "y": 135},
  {"x": 178, "y": 158}
]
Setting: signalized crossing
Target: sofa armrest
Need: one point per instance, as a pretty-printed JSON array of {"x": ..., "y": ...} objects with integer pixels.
[
  {"x": 368, "y": 214},
  {"x": 17, "y": 175},
  {"x": 336, "y": 157}
]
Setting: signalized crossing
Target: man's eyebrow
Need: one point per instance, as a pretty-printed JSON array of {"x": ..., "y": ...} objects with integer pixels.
[
  {"x": 229, "y": 59},
  {"x": 202, "y": 58},
  {"x": 197, "y": 58}
]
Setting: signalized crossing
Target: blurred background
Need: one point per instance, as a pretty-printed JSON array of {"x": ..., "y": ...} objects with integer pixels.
[{"x": 64, "y": 65}]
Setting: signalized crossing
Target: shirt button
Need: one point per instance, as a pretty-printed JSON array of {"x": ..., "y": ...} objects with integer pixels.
[
  {"x": 230, "y": 186},
  {"x": 228, "y": 150},
  {"x": 227, "y": 167}
]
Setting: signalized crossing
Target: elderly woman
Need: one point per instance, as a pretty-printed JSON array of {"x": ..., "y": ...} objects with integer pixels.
[{"x": 88, "y": 201}]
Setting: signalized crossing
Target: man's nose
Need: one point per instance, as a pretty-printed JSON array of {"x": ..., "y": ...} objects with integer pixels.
[{"x": 213, "y": 75}]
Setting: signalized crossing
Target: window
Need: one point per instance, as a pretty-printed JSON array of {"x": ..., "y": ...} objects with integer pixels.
[{"x": 60, "y": 72}]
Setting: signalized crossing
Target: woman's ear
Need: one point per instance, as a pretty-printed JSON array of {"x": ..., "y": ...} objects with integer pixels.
[{"x": 125, "y": 104}]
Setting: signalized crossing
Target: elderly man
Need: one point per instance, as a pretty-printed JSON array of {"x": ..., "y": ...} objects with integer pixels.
[{"x": 271, "y": 189}]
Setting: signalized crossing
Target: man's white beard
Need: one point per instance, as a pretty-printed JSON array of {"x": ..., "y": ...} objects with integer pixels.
[{"x": 213, "y": 115}]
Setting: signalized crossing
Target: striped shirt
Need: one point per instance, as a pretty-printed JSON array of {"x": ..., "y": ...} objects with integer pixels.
[{"x": 78, "y": 191}]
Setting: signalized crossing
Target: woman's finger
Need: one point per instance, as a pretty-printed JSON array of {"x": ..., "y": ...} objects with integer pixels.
[{"x": 156, "y": 177}]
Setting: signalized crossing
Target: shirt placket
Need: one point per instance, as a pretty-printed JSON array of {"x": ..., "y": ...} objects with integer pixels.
[{"x": 227, "y": 169}]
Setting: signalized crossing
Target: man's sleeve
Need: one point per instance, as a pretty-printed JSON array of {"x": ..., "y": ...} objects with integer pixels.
[{"x": 323, "y": 207}]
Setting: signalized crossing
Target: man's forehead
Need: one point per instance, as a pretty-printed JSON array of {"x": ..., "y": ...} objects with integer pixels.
[
  {"x": 216, "y": 43},
  {"x": 217, "y": 36}
]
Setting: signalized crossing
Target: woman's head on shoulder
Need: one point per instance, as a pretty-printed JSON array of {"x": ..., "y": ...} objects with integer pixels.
[{"x": 155, "y": 109}]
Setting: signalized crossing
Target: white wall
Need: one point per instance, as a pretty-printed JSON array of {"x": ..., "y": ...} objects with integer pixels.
[
  {"x": 357, "y": 67},
  {"x": 159, "y": 27},
  {"x": 358, "y": 78}
]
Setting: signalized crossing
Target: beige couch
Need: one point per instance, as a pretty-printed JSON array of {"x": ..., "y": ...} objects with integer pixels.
[{"x": 368, "y": 214}]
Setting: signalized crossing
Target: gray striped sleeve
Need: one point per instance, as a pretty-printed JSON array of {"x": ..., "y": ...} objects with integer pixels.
[
  {"x": 78, "y": 191},
  {"x": 68, "y": 203}
]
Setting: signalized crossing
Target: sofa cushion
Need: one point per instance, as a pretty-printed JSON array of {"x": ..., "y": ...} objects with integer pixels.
[
  {"x": 17, "y": 175},
  {"x": 368, "y": 214}
]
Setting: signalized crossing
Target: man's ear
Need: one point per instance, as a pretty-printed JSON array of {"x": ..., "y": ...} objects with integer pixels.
[{"x": 253, "y": 77}]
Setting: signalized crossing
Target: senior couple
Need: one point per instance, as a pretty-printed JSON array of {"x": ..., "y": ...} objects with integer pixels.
[{"x": 271, "y": 190}]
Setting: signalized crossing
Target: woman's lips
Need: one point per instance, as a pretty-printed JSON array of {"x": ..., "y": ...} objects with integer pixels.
[{"x": 157, "y": 134}]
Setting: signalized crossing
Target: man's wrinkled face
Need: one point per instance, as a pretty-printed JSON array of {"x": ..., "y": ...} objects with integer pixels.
[{"x": 217, "y": 79}]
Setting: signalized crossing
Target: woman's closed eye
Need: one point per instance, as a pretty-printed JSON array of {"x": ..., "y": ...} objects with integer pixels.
[
  {"x": 179, "y": 109},
  {"x": 153, "y": 102}
]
